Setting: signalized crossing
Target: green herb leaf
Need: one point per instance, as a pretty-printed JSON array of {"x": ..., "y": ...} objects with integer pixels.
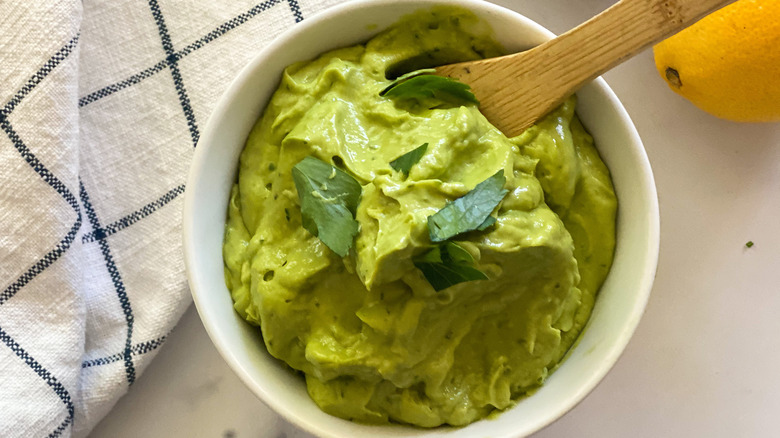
[
  {"x": 405, "y": 162},
  {"x": 489, "y": 221},
  {"x": 446, "y": 265},
  {"x": 403, "y": 77},
  {"x": 469, "y": 212},
  {"x": 749, "y": 244},
  {"x": 425, "y": 86},
  {"x": 329, "y": 198}
]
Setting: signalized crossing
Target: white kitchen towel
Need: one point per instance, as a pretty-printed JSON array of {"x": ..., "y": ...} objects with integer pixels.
[{"x": 101, "y": 105}]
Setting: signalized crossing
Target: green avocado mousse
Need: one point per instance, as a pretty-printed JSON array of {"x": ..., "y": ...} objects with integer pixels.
[{"x": 414, "y": 263}]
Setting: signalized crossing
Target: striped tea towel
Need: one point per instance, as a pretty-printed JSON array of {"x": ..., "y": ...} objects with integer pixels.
[{"x": 101, "y": 105}]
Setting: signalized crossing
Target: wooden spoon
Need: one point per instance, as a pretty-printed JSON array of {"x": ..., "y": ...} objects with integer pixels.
[{"x": 516, "y": 90}]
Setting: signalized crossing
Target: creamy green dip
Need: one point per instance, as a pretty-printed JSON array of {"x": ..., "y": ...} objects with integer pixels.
[{"x": 375, "y": 341}]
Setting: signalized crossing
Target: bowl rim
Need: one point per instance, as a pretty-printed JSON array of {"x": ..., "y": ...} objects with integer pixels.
[{"x": 199, "y": 163}]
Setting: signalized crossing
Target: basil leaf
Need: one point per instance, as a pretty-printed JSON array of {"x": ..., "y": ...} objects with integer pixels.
[
  {"x": 427, "y": 86},
  {"x": 446, "y": 265},
  {"x": 469, "y": 212},
  {"x": 329, "y": 198},
  {"x": 489, "y": 221},
  {"x": 405, "y": 162},
  {"x": 406, "y": 76}
]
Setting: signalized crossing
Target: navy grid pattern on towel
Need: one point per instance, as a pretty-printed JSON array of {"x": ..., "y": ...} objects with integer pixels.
[{"x": 104, "y": 103}]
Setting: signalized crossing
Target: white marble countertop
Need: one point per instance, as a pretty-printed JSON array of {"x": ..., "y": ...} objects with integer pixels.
[{"x": 703, "y": 361}]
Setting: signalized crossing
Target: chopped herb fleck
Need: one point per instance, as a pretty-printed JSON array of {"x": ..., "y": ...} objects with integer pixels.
[{"x": 405, "y": 162}]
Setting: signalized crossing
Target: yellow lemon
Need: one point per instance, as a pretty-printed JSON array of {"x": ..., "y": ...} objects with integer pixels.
[{"x": 728, "y": 63}]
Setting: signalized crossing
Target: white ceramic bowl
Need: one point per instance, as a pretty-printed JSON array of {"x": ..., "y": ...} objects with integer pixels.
[{"x": 620, "y": 303}]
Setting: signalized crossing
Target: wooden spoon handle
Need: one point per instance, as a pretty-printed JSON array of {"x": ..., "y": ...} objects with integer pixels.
[{"x": 554, "y": 70}]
